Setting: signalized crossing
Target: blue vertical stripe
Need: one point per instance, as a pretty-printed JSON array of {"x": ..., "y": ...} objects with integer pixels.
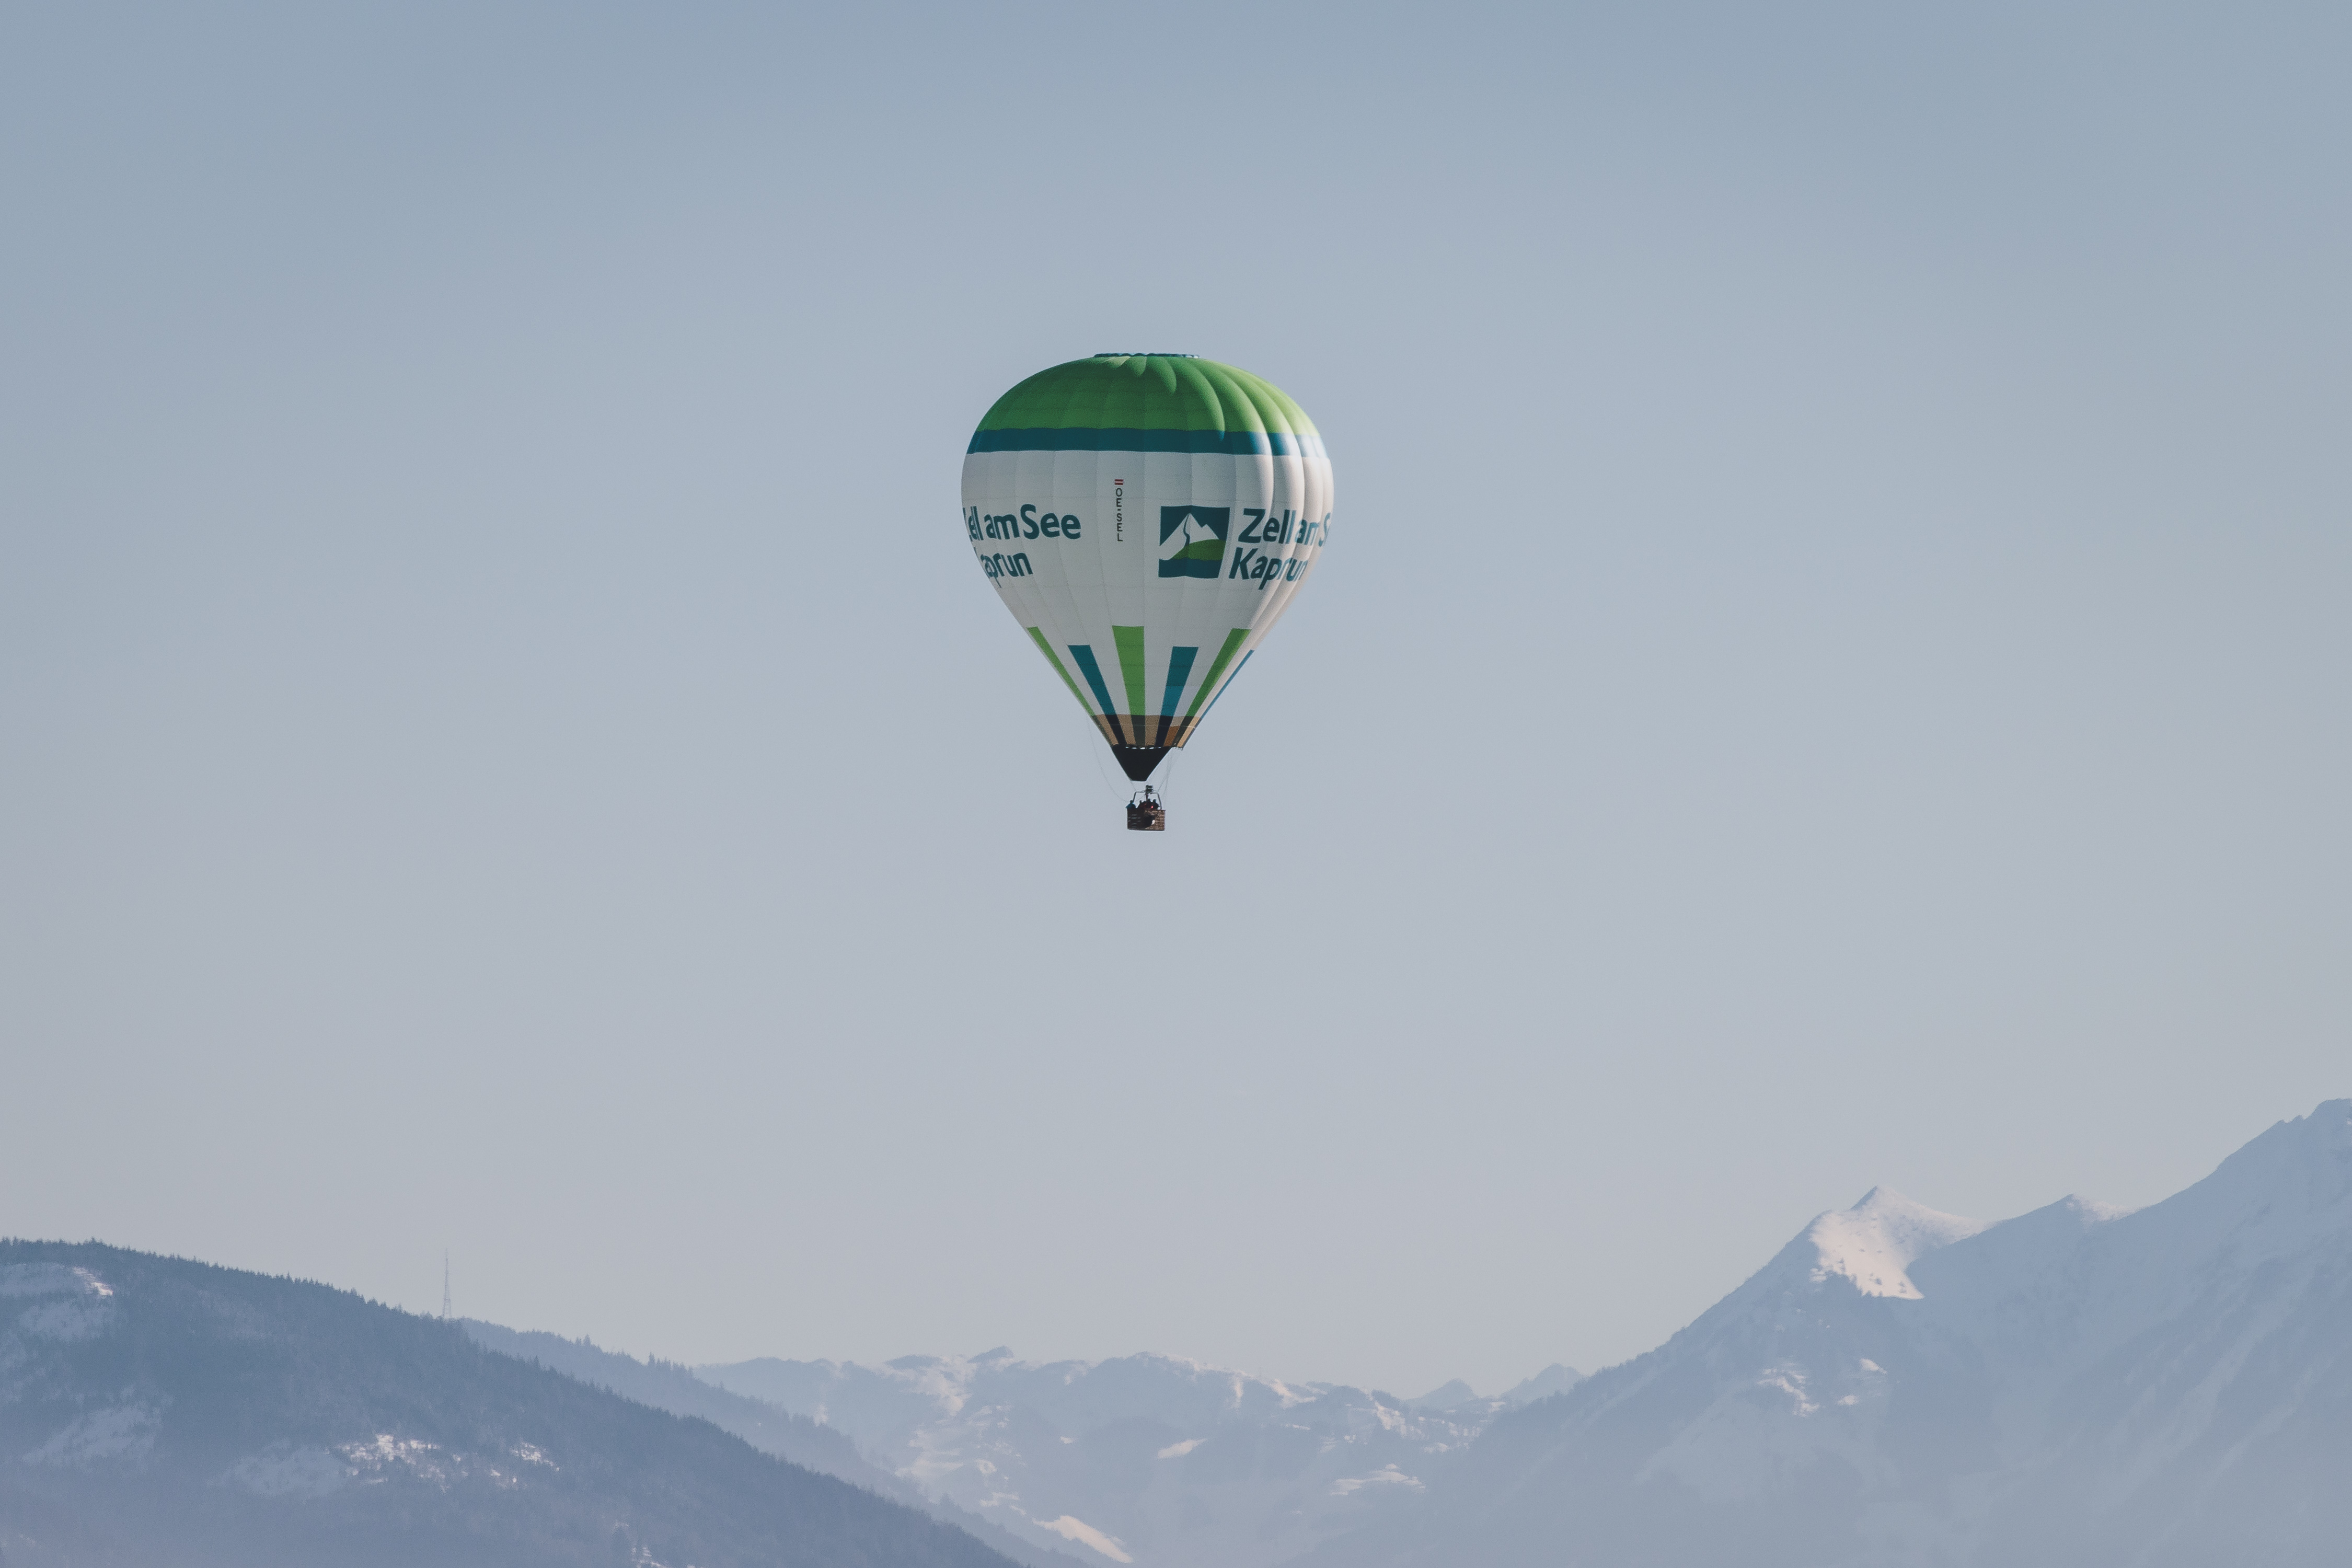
[
  {"x": 1179, "y": 670},
  {"x": 1093, "y": 672}
]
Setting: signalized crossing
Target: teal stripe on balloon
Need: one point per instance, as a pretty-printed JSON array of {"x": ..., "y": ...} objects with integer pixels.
[
  {"x": 1179, "y": 670},
  {"x": 1093, "y": 672}
]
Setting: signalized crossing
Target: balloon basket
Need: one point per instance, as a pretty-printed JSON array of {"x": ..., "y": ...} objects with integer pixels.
[{"x": 1145, "y": 814}]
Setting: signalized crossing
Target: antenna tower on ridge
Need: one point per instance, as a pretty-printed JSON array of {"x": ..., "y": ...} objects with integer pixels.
[{"x": 445, "y": 1282}]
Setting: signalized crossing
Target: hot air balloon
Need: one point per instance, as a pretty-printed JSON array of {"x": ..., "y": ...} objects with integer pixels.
[{"x": 1147, "y": 519}]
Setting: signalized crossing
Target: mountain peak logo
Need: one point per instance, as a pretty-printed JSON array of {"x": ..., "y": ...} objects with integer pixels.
[{"x": 1193, "y": 539}]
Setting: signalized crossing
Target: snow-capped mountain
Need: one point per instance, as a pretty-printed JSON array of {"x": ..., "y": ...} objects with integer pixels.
[
  {"x": 797, "y": 1440},
  {"x": 2164, "y": 1388},
  {"x": 2076, "y": 1385},
  {"x": 1145, "y": 1459},
  {"x": 158, "y": 1411}
]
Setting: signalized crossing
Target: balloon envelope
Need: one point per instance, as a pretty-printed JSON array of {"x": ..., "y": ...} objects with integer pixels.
[{"x": 1147, "y": 519}]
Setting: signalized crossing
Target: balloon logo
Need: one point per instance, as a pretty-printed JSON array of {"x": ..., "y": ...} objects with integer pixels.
[{"x": 1147, "y": 519}]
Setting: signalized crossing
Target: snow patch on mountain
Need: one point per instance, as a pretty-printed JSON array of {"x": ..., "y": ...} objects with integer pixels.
[
  {"x": 51, "y": 1280},
  {"x": 1069, "y": 1527},
  {"x": 1386, "y": 1476},
  {"x": 66, "y": 1304},
  {"x": 1765, "y": 1433},
  {"x": 1875, "y": 1243}
]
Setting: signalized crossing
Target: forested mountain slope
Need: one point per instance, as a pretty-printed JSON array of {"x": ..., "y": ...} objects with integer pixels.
[{"x": 160, "y": 1412}]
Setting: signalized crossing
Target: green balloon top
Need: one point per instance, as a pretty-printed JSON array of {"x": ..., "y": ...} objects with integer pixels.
[{"x": 1146, "y": 403}]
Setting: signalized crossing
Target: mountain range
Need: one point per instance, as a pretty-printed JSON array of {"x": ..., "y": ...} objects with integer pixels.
[
  {"x": 1141, "y": 1458},
  {"x": 2082, "y": 1385},
  {"x": 768, "y": 1427},
  {"x": 2077, "y": 1386},
  {"x": 157, "y": 1413}
]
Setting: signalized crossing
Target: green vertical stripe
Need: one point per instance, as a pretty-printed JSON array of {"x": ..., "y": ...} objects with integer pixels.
[
  {"x": 1055, "y": 659},
  {"x": 1130, "y": 664},
  {"x": 1234, "y": 639}
]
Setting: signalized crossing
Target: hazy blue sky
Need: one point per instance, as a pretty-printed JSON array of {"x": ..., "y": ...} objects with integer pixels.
[{"x": 1831, "y": 670}]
